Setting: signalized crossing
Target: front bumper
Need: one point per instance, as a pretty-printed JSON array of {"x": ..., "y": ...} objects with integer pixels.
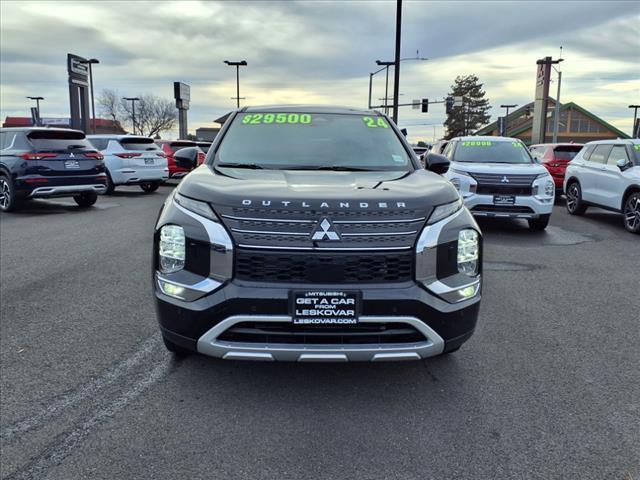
[
  {"x": 198, "y": 325},
  {"x": 524, "y": 207}
]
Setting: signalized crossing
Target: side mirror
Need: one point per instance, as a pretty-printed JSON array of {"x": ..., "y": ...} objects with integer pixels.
[
  {"x": 437, "y": 163},
  {"x": 622, "y": 164},
  {"x": 187, "y": 157}
]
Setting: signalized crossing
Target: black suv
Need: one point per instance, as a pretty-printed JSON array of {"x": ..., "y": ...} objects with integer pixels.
[
  {"x": 313, "y": 234},
  {"x": 48, "y": 162}
]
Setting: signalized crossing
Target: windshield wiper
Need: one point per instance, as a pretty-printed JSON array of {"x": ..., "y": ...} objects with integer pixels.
[{"x": 252, "y": 166}]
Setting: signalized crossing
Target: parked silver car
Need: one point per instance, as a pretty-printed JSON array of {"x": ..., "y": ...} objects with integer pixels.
[{"x": 606, "y": 174}]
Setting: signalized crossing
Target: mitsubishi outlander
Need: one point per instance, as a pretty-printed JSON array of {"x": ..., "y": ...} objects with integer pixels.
[{"x": 313, "y": 234}]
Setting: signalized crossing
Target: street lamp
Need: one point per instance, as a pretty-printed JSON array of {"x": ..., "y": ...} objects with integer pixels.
[
  {"x": 506, "y": 116},
  {"x": 556, "y": 110},
  {"x": 90, "y": 62},
  {"x": 242, "y": 63},
  {"x": 133, "y": 101},
  {"x": 385, "y": 66},
  {"x": 635, "y": 131},
  {"x": 37, "y": 99}
]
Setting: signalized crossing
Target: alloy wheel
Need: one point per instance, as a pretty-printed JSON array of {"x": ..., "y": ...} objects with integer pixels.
[
  {"x": 632, "y": 212},
  {"x": 5, "y": 194},
  {"x": 572, "y": 197}
]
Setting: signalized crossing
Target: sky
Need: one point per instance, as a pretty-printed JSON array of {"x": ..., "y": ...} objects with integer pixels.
[{"x": 321, "y": 52}]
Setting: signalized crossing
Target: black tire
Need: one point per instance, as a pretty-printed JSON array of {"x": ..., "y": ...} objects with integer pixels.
[
  {"x": 110, "y": 185},
  {"x": 177, "y": 350},
  {"x": 86, "y": 199},
  {"x": 8, "y": 200},
  {"x": 540, "y": 223},
  {"x": 631, "y": 213},
  {"x": 575, "y": 204},
  {"x": 149, "y": 187}
]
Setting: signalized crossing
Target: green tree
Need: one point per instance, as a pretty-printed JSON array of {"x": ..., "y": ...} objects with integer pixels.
[
  {"x": 467, "y": 119},
  {"x": 422, "y": 144}
]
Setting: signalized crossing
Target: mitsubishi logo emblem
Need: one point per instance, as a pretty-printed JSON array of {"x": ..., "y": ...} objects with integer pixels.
[
  {"x": 325, "y": 231},
  {"x": 71, "y": 155},
  {"x": 505, "y": 179}
]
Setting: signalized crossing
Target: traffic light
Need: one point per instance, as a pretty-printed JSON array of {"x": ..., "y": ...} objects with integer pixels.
[
  {"x": 449, "y": 105},
  {"x": 425, "y": 105}
]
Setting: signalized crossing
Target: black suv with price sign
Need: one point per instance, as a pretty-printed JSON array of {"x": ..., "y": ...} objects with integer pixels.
[{"x": 313, "y": 234}]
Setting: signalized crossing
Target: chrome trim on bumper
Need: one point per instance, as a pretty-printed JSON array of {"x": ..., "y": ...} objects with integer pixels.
[
  {"x": 191, "y": 292},
  {"x": 208, "y": 344},
  {"x": 43, "y": 192},
  {"x": 504, "y": 215}
]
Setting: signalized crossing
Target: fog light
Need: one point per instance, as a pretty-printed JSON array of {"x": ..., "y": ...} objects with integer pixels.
[
  {"x": 171, "y": 289},
  {"x": 171, "y": 248},
  {"x": 468, "y": 292},
  {"x": 468, "y": 252}
]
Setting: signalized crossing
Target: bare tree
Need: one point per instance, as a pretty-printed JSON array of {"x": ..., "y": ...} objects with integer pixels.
[
  {"x": 109, "y": 105},
  {"x": 153, "y": 114}
]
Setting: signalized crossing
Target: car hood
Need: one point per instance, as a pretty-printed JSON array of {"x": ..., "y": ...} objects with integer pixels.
[
  {"x": 318, "y": 190},
  {"x": 497, "y": 168}
]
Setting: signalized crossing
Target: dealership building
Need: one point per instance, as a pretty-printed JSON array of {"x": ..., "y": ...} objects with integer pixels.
[{"x": 576, "y": 124}]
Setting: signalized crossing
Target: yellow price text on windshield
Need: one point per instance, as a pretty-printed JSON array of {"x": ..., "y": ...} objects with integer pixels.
[
  {"x": 281, "y": 118},
  {"x": 378, "y": 122},
  {"x": 477, "y": 143}
]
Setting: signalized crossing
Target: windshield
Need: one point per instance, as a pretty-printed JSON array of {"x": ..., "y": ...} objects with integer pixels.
[
  {"x": 566, "y": 152},
  {"x": 312, "y": 141},
  {"x": 487, "y": 151}
]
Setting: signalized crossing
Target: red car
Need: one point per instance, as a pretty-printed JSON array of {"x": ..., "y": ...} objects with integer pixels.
[
  {"x": 169, "y": 147},
  {"x": 555, "y": 157}
]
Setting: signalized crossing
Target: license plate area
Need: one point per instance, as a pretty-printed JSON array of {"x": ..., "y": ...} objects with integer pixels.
[
  {"x": 325, "y": 307},
  {"x": 504, "y": 199},
  {"x": 149, "y": 161}
]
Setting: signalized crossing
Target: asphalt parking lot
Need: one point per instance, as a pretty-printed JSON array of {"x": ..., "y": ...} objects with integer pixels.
[{"x": 548, "y": 387}]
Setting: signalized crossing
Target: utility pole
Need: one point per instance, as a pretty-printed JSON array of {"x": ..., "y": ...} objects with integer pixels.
[
  {"x": 396, "y": 71},
  {"x": 242, "y": 63},
  {"x": 93, "y": 102},
  {"x": 635, "y": 129},
  {"x": 133, "y": 101},
  {"x": 506, "y": 117},
  {"x": 386, "y": 65},
  {"x": 556, "y": 110}
]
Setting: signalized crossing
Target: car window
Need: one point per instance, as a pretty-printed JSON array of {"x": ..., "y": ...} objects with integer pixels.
[
  {"x": 566, "y": 152},
  {"x": 588, "y": 150},
  {"x": 138, "y": 143},
  {"x": 618, "y": 152},
  {"x": 600, "y": 154},
  {"x": 8, "y": 140},
  {"x": 57, "y": 140},
  {"x": 300, "y": 140},
  {"x": 448, "y": 151}
]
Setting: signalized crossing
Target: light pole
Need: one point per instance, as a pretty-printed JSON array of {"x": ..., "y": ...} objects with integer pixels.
[
  {"x": 506, "y": 116},
  {"x": 635, "y": 131},
  {"x": 37, "y": 99},
  {"x": 133, "y": 101},
  {"x": 90, "y": 62},
  {"x": 385, "y": 66},
  {"x": 556, "y": 110},
  {"x": 396, "y": 69},
  {"x": 242, "y": 63}
]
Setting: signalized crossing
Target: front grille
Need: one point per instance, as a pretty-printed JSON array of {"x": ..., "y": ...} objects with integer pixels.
[
  {"x": 288, "y": 333},
  {"x": 295, "y": 267},
  {"x": 502, "y": 209},
  {"x": 499, "y": 179},
  {"x": 264, "y": 228}
]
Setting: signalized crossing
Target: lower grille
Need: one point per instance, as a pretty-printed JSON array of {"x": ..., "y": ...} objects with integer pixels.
[
  {"x": 288, "y": 333},
  {"x": 502, "y": 208},
  {"x": 503, "y": 190},
  {"x": 322, "y": 268}
]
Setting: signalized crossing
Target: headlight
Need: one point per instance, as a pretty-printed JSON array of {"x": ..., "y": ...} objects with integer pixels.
[
  {"x": 546, "y": 187},
  {"x": 468, "y": 252},
  {"x": 443, "y": 211},
  {"x": 171, "y": 248},
  {"x": 196, "y": 206}
]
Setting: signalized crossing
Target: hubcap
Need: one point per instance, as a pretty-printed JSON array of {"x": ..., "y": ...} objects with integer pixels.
[
  {"x": 632, "y": 212},
  {"x": 5, "y": 193}
]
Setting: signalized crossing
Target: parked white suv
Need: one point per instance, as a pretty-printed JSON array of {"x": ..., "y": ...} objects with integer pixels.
[
  {"x": 606, "y": 174},
  {"x": 131, "y": 160},
  {"x": 497, "y": 177}
]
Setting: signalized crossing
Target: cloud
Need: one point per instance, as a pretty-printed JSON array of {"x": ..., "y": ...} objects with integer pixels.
[{"x": 319, "y": 52}]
